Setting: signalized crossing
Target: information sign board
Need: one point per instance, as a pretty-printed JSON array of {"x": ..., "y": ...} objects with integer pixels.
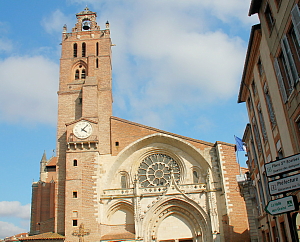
[
  {"x": 282, "y": 205},
  {"x": 283, "y": 165},
  {"x": 283, "y": 185}
]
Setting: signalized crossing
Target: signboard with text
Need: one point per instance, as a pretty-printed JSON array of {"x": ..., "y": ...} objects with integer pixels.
[
  {"x": 283, "y": 165},
  {"x": 282, "y": 205},
  {"x": 283, "y": 185}
]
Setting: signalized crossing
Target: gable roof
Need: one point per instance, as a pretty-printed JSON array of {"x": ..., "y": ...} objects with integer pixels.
[
  {"x": 161, "y": 131},
  {"x": 44, "y": 236}
]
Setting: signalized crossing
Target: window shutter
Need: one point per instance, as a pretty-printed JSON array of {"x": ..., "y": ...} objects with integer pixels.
[
  {"x": 287, "y": 53},
  {"x": 296, "y": 21},
  {"x": 280, "y": 80}
]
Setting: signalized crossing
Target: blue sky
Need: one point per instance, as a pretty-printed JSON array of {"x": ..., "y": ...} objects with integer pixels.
[{"x": 177, "y": 66}]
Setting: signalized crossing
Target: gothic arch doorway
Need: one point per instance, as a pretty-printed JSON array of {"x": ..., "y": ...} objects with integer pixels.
[
  {"x": 176, "y": 220},
  {"x": 175, "y": 228}
]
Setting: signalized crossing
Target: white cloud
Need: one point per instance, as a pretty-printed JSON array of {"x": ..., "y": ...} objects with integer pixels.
[
  {"x": 9, "y": 229},
  {"x": 55, "y": 21},
  {"x": 28, "y": 89},
  {"x": 166, "y": 58},
  {"x": 5, "y": 45},
  {"x": 14, "y": 209}
]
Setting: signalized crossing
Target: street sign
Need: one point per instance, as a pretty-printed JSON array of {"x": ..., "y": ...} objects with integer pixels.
[
  {"x": 282, "y": 205},
  {"x": 283, "y": 185},
  {"x": 283, "y": 165}
]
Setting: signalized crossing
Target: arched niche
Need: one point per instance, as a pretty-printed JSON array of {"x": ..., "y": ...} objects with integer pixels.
[{"x": 120, "y": 217}]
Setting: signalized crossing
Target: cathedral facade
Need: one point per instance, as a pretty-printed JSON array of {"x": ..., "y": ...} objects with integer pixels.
[{"x": 116, "y": 180}]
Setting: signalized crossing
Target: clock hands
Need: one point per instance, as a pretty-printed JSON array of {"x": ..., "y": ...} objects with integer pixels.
[{"x": 83, "y": 129}]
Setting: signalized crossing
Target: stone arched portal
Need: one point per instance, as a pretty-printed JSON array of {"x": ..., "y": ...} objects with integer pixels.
[{"x": 176, "y": 219}]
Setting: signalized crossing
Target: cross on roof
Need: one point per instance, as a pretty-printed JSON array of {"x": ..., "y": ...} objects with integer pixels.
[{"x": 81, "y": 232}]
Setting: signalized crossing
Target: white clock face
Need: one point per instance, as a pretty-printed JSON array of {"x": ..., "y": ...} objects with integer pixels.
[{"x": 82, "y": 130}]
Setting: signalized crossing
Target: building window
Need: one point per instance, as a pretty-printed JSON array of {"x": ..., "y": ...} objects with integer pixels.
[
  {"x": 295, "y": 45},
  {"x": 280, "y": 154},
  {"x": 195, "y": 176},
  {"x": 250, "y": 104},
  {"x": 75, "y": 194},
  {"x": 284, "y": 83},
  {"x": 97, "y": 63},
  {"x": 261, "y": 195},
  {"x": 74, "y": 162},
  {"x": 75, "y": 214},
  {"x": 256, "y": 135},
  {"x": 75, "y": 50},
  {"x": 289, "y": 60},
  {"x": 254, "y": 153},
  {"x": 296, "y": 21},
  {"x": 262, "y": 123},
  {"x": 97, "y": 49},
  {"x": 269, "y": 17},
  {"x": 254, "y": 89},
  {"x": 83, "y": 49},
  {"x": 83, "y": 74},
  {"x": 76, "y": 74},
  {"x": 124, "y": 179},
  {"x": 260, "y": 67},
  {"x": 270, "y": 106},
  {"x": 75, "y": 222}
]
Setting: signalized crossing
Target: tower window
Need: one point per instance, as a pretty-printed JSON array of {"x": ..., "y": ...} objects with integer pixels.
[
  {"x": 117, "y": 143},
  {"x": 83, "y": 74},
  {"x": 76, "y": 74},
  {"x": 83, "y": 49},
  {"x": 97, "y": 49},
  {"x": 97, "y": 63},
  {"x": 75, "y": 50},
  {"x": 75, "y": 222},
  {"x": 74, "y": 162},
  {"x": 75, "y": 194}
]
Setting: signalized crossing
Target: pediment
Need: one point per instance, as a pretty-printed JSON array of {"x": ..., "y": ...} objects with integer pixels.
[{"x": 81, "y": 119}]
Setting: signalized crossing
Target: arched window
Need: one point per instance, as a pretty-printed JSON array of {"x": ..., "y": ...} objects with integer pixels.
[
  {"x": 97, "y": 49},
  {"x": 124, "y": 179},
  {"x": 83, "y": 74},
  {"x": 75, "y": 50},
  {"x": 83, "y": 49},
  {"x": 97, "y": 63},
  {"x": 77, "y": 74},
  {"x": 195, "y": 176}
]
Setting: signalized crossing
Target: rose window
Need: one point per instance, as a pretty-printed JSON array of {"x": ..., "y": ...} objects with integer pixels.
[{"x": 155, "y": 170}]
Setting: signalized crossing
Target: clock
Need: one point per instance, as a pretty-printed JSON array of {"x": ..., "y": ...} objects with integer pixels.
[
  {"x": 155, "y": 170},
  {"x": 82, "y": 130}
]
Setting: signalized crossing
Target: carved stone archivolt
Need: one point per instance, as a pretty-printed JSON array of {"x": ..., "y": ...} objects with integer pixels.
[{"x": 198, "y": 219}]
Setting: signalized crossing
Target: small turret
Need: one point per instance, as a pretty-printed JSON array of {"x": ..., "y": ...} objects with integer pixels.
[{"x": 43, "y": 164}]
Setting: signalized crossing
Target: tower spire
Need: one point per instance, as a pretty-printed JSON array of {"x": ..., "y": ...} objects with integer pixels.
[{"x": 43, "y": 164}]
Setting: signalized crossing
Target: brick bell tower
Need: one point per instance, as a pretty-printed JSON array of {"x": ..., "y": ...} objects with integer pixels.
[{"x": 83, "y": 129}]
